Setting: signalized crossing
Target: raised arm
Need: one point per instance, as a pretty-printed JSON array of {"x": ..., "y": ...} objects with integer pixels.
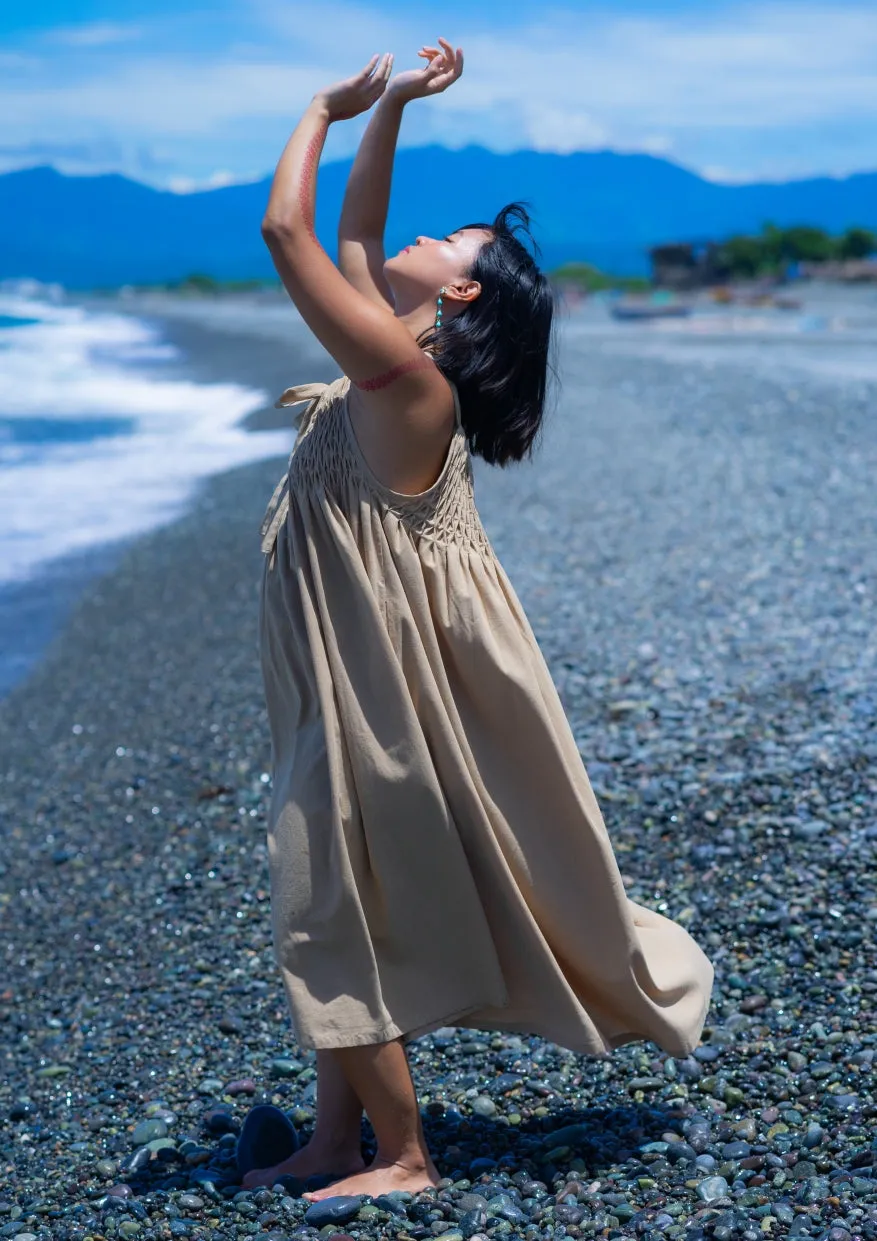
[
  {"x": 374, "y": 349},
  {"x": 367, "y": 200},
  {"x": 367, "y": 197}
]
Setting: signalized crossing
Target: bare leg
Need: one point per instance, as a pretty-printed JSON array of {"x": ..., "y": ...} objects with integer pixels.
[
  {"x": 380, "y": 1076},
  {"x": 335, "y": 1143}
]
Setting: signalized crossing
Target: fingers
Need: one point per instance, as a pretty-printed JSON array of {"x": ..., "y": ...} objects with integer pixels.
[
  {"x": 381, "y": 74},
  {"x": 447, "y": 59},
  {"x": 378, "y": 65},
  {"x": 454, "y": 59}
]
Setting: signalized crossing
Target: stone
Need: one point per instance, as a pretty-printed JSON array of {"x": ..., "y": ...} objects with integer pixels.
[
  {"x": 147, "y": 1131},
  {"x": 713, "y": 1187},
  {"x": 484, "y": 1106},
  {"x": 337, "y": 1210}
]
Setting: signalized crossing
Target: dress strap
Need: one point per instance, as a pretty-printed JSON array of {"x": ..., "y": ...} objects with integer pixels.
[
  {"x": 299, "y": 393},
  {"x": 458, "y": 417},
  {"x": 278, "y": 505}
]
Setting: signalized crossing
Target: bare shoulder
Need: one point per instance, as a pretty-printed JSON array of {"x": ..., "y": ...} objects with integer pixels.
[{"x": 404, "y": 429}]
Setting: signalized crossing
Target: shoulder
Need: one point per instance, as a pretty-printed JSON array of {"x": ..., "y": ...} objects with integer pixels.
[
  {"x": 405, "y": 428},
  {"x": 415, "y": 396}
]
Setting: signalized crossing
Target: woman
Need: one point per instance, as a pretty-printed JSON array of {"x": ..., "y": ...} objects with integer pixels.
[{"x": 436, "y": 853}]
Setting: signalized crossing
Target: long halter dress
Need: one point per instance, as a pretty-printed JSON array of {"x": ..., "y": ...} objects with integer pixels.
[{"x": 436, "y": 853}]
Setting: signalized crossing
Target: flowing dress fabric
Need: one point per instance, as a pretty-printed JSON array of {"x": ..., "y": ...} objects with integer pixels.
[{"x": 436, "y": 853}]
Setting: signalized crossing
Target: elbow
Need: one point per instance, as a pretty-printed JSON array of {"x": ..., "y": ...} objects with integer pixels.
[
  {"x": 276, "y": 231},
  {"x": 271, "y": 228}
]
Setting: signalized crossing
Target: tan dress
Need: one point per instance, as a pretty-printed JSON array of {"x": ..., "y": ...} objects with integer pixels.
[{"x": 436, "y": 853}]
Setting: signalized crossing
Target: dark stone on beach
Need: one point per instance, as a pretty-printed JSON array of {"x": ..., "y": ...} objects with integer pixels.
[
  {"x": 119, "y": 1191},
  {"x": 245, "y": 1085},
  {"x": 752, "y": 1003},
  {"x": 285, "y": 1066},
  {"x": 138, "y": 1160},
  {"x": 386, "y": 1202},
  {"x": 472, "y": 1221},
  {"x": 267, "y": 1138},
  {"x": 219, "y": 1120},
  {"x": 338, "y": 1210},
  {"x": 482, "y": 1164},
  {"x": 471, "y": 1202},
  {"x": 505, "y": 1083},
  {"x": 845, "y": 1102},
  {"x": 568, "y": 1214},
  {"x": 509, "y": 1211}
]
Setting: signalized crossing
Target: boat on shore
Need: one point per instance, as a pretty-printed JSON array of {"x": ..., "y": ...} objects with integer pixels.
[{"x": 649, "y": 310}]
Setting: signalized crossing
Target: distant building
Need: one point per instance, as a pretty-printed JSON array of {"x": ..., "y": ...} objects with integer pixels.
[
  {"x": 687, "y": 265},
  {"x": 852, "y": 270}
]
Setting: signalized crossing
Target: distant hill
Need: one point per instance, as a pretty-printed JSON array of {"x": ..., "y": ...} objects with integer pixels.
[{"x": 599, "y": 207}]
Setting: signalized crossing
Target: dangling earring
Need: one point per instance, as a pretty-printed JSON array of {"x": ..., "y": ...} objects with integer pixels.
[{"x": 438, "y": 316}]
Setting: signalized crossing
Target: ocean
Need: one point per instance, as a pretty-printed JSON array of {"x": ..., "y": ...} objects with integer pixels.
[{"x": 97, "y": 445}]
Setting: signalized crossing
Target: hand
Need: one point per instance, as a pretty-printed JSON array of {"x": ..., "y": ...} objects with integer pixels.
[
  {"x": 444, "y": 67},
  {"x": 347, "y": 99}
]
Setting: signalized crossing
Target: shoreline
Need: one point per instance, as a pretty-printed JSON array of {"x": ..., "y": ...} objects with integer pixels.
[{"x": 35, "y": 610}]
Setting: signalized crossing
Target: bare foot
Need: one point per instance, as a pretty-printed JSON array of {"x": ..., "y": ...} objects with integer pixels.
[
  {"x": 309, "y": 1161},
  {"x": 380, "y": 1177}
]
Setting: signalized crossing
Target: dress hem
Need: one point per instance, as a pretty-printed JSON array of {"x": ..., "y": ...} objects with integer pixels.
[
  {"x": 603, "y": 1047},
  {"x": 367, "y": 1036}
]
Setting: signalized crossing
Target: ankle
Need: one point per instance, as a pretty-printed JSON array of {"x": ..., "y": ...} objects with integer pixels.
[
  {"x": 411, "y": 1158},
  {"x": 336, "y": 1143}
]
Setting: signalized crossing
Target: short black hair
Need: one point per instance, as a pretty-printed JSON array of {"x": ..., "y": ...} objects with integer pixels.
[{"x": 496, "y": 350}]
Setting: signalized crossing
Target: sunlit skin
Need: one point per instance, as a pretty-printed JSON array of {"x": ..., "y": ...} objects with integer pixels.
[
  {"x": 429, "y": 264},
  {"x": 374, "y": 343},
  {"x": 418, "y": 271},
  {"x": 415, "y": 275},
  {"x": 306, "y": 194}
]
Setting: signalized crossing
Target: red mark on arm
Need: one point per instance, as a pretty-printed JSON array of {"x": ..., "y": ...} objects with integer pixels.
[
  {"x": 388, "y": 377},
  {"x": 308, "y": 171}
]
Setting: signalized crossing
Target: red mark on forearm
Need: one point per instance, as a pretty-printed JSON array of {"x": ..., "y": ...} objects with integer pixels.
[
  {"x": 308, "y": 173},
  {"x": 388, "y": 377}
]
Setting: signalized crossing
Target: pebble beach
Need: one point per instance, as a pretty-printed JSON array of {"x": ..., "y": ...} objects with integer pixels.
[{"x": 694, "y": 544}]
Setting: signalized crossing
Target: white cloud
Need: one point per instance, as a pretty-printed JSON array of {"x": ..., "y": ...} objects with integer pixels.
[
  {"x": 717, "y": 90},
  {"x": 97, "y": 34},
  {"x": 216, "y": 180},
  {"x": 728, "y": 176}
]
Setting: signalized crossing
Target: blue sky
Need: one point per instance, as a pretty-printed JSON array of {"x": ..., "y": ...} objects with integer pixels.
[{"x": 208, "y": 95}]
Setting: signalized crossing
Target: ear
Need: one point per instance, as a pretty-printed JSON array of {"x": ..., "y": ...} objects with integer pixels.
[{"x": 467, "y": 292}]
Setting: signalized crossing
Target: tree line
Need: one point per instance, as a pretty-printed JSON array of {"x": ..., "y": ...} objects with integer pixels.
[{"x": 775, "y": 248}]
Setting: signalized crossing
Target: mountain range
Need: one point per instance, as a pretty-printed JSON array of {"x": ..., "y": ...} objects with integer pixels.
[{"x": 595, "y": 206}]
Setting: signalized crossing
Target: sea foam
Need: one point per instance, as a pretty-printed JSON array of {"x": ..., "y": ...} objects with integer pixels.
[{"x": 95, "y": 448}]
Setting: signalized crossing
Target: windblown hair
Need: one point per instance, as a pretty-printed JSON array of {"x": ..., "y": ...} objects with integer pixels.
[{"x": 496, "y": 350}]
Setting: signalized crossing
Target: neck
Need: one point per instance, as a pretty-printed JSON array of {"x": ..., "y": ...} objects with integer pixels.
[{"x": 417, "y": 320}]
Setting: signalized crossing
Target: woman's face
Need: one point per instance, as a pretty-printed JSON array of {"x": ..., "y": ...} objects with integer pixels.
[{"x": 420, "y": 269}]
